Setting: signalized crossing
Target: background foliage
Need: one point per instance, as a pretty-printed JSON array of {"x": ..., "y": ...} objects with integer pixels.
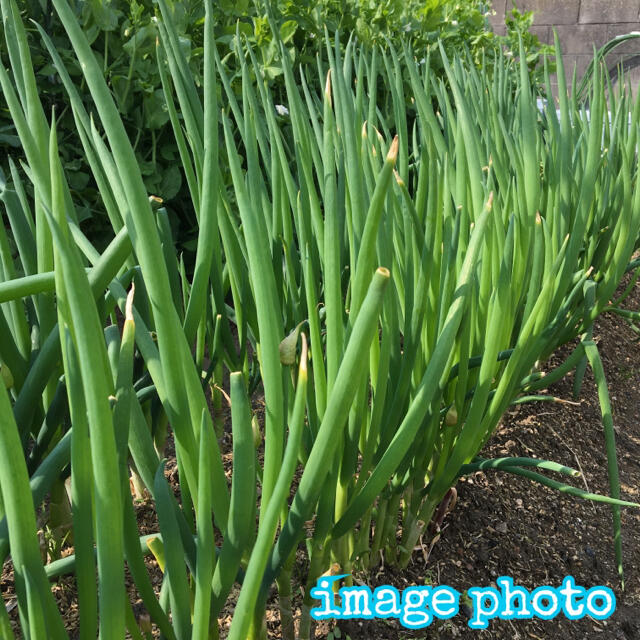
[{"x": 123, "y": 34}]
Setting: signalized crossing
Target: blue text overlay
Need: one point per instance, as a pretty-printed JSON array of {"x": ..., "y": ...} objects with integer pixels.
[{"x": 418, "y": 607}]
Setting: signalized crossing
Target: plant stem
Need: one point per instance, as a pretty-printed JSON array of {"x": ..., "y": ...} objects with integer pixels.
[
  {"x": 284, "y": 600},
  {"x": 413, "y": 535}
]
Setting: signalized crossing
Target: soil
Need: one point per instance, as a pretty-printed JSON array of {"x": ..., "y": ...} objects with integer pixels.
[{"x": 505, "y": 525}]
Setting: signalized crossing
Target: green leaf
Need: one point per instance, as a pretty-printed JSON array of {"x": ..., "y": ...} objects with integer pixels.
[
  {"x": 105, "y": 14},
  {"x": 171, "y": 183},
  {"x": 289, "y": 346},
  {"x": 288, "y": 30}
]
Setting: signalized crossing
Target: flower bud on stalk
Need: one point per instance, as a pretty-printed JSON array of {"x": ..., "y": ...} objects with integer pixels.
[{"x": 6, "y": 375}]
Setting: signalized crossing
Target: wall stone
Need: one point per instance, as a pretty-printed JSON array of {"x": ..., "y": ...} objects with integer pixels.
[
  {"x": 544, "y": 33},
  {"x": 580, "y": 24},
  {"x": 552, "y": 11},
  {"x": 499, "y": 10},
  {"x": 598, "y": 12},
  {"x": 580, "y": 38},
  {"x": 616, "y": 28}
]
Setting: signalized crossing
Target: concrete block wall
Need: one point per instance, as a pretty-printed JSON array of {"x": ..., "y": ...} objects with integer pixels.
[{"x": 580, "y": 24}]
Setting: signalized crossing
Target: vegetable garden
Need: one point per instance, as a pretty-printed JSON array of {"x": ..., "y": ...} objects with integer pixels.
[{"x": 388, "y": 249}]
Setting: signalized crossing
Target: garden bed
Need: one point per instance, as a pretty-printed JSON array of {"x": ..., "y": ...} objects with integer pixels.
[{"x": 507, "y": 525}]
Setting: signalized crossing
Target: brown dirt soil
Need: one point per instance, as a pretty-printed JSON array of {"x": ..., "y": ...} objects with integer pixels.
[{"x": 505, "y": 525}]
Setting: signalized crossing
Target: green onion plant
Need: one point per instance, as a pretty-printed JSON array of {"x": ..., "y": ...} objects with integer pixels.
[{"x": 388, "y": 262}]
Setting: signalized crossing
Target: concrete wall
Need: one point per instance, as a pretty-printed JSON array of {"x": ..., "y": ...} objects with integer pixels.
[{"x": 580, "y": 24}]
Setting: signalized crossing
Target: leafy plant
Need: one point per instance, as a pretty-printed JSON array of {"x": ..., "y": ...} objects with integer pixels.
[
  {"x": 123, "y": 36},
  {"x": 394, "y": 281}
]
